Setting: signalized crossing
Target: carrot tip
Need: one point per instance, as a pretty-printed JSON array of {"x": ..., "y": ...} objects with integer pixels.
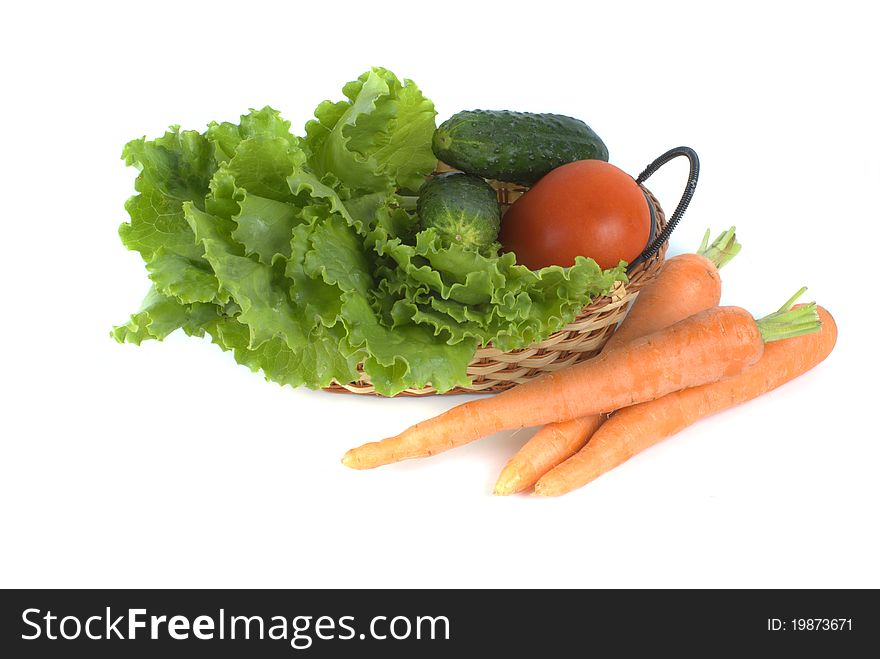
[
  {"x": 541, "y": 490},
  {"x": 507, "y": 486},
  {"x": 350, "y": 460}
]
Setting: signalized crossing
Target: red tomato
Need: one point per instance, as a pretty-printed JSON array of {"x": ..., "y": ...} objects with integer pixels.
[{"x": 585, "y": 208}]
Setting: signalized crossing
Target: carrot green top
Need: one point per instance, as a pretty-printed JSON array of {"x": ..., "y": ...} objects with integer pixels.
[
  {"x": 722, "y": 250},
  {"x": 788, "y": 321}
]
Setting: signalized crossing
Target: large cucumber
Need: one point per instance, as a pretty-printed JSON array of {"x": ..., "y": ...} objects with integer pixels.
[
  {"x": 463, "y": 209},
  {"x": 518, "y": 147}
]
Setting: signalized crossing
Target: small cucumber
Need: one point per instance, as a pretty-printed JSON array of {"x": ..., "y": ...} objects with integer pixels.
[
  {"x": 518, "y": 147},
  {"x": 463, "y": 209}
]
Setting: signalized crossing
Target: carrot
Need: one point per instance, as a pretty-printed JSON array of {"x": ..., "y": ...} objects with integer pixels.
[
  {"x": 710, "y": 345},
  {"x": 633, "y": 429},
  {"x": 687, "y": 284}
]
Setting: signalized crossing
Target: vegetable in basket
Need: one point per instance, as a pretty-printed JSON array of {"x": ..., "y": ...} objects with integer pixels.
[
  {"x": 587, "y": 207},
  {"x": 463, "y": 209},
  {"x": 302, "y": 256},
  {"x": 519, "y": 147}
]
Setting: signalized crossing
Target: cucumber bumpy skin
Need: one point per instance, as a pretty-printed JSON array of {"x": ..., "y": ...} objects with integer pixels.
[
  {"x": 517, "y": 147},
  {"x": 462, "y": 209}
]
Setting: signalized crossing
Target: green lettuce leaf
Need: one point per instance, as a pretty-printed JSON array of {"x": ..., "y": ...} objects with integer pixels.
[
  {"x": 488, "y": 298},
  {"x": 264, "y": 227},
  {"x": 174, "y": 169},
  {"x": 255, "y": 287},
  {"x": 408, "y": 356},
  {"x": 188, "y": 280},
  {"x": 267, "y": 122},
  {"x": 319, "y": 302},
  {"x": 178, "y": 165},
  {"x": 326, "y": 358},
  {"x": 380, "y": 138},
  {"x": 160, "y": 315}
]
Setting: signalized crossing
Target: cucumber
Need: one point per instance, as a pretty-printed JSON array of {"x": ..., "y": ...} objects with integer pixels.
[
  {"x": 463, "y": 209},
  {"x": 518, "y": 147}
]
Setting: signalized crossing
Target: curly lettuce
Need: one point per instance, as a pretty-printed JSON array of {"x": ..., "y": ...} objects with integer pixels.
[{"x": 298, "y": 254}]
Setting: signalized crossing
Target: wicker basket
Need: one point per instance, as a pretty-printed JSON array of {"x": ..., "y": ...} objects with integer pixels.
[{"x": 492, "y": 370}]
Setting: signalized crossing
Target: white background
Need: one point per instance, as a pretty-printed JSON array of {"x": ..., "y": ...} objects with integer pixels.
[{"x": 169, "y": 465}]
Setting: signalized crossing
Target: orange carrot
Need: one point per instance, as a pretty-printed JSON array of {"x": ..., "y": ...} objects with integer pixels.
[
  {"x": 713, "y": 344},
  {"x": 687, "y": 284},
  {"x": 633, "y": 429}
]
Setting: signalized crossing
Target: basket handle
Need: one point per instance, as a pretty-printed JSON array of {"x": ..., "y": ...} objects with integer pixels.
[{"x": 686, "y": 197}]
